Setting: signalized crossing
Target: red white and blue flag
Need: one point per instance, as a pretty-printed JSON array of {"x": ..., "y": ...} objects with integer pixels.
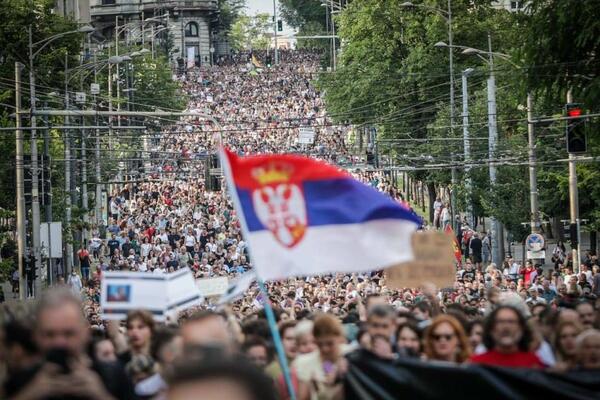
[{"x": 304, "y": 217}]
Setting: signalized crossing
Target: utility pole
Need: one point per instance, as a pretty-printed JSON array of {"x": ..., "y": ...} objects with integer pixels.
[
  {"x": 48, "y": 205},
  {"x": 35, "y": 193},
  {"x": 533, "y": 192},
  {"x": 466, "y": 142},
  {"x": 20, "y": 183},
  {"x": 453, "y": 195},
  {"x": 452, "y": 105},
  {"x": 333, "y": 53},
  {"x": 497, "y": 233},
  {"x": 275, "y": 31},
  {"x": 98, "y": 203},
  {"x": 574, "y": 204},
  {"x": 84, "y": 188},
  {"x": 69, "y": 239}
]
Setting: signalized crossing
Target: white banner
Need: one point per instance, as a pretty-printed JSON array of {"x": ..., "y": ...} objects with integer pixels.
[
  {"x": 51, "y": 239},
  {"x": 191, "y": 57},
  {"x": 122, "y": 292},
  {"x": 306, "y": 135},
  {"x": 212, "y": 286},
  {"x": 238, "y": 287}
]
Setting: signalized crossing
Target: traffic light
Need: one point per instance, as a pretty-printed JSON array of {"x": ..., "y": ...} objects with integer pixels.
[
  {"x": 576, "y": 140},
  {"x": 279, "y": 25},
  {"x": 269, "y": 60}
]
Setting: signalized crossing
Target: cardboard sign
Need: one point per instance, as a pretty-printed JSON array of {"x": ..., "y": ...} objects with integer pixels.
[
  {"x": 122, "y": 292},
  {"x": 212, "y": 286},
  {"x": 433, "y": 262}
]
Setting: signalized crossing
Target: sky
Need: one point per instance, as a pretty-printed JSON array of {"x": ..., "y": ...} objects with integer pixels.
[{"x": 254, "y": 7}]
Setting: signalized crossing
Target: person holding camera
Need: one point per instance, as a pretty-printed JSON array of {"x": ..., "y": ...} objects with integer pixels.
[{"x": 65, "y": 371}]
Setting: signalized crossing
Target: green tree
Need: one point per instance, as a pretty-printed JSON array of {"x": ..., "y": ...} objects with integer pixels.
[
  {"x": 310, "y": 18},
  {"x": 561, "y": 47},
  {"x": 17, "y": 16},
  {"x": 390, "y": 75},
  {"x": 251, "y": 32}
]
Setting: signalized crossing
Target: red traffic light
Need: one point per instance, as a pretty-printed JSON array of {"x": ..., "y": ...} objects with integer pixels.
[{"x": 574, "y": 112}]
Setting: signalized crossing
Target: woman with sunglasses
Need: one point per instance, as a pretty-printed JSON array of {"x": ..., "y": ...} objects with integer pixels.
[{"x": 445, "y": 340}]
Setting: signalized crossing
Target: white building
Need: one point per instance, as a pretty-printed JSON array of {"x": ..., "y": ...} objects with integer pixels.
[
  {"x": 79, "y": 10},
  {"x": 191, "y": 25},
  {"x": 510, "y": 5}
]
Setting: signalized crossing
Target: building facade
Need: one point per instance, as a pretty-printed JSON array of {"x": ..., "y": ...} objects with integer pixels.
[
  {"x": 183, "y": 27},
  {"x": 510, "y": 5},
  {"x": 78, "y": 10}
]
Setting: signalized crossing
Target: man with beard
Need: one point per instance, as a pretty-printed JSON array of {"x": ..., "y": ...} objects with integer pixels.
[{"x": 507, "y": 338}]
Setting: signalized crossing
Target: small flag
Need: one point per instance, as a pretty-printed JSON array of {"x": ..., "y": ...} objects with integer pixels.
[
  {"x": 455, "y": 246},
  {"x": 237, "y": 287},
  {"x": 304, "y": 217},
  {"x": 255, "y": 62}
]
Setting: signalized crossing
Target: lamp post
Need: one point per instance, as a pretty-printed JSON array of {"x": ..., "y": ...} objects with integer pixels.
[
  {"x": 497, "y": 229},
  {"x": 20, "y": 182},
  {"x": 467, "y": 144},
  {"x": 333, "y": 7},
  {"x": 35, "y": 201},
  {"x": 447, "y": 15}
]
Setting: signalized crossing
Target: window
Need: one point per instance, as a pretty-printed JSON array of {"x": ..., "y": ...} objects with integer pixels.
[
  {"x": 515, "y": 5},
  {"x": 108, "y": 2},
  {"x": 191, "y": 30}
]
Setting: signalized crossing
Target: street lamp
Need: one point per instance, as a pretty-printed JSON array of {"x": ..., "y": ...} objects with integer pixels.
[
  {"x": 466, "y": 144},
  {"x": 497, "y": 232},
  {"x": 447, "y": 15},
  {"x": 35, "y": 201}
]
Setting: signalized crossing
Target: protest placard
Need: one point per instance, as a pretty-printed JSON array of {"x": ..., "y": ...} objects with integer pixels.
[
  {"x": 212, "y": 286},
  {"x": 122, "y": 292},
  {"x": 433, "y": 262}
]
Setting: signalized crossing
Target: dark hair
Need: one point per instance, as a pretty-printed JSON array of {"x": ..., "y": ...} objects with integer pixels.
[
  {"x": 160, "y": 338},
  {"x": 423, "y": 306},
  {"x": 490, "y": 323},
  {"x": 472, "y": 324},
  {"x": 285, "y": 325},
  {"x": 413, "y": 327},
  {"x": 233, "y": 368},
  {"x": 257, "y": 327},
  {"x": 19, "y": 332},
  {"x": 381, "y": 311},
  {"x": 253, "y": 341},
  {"x": 142, "y": 315}
]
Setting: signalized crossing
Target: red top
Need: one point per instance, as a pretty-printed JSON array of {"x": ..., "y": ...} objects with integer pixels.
[{"x": 522, "y": 359}]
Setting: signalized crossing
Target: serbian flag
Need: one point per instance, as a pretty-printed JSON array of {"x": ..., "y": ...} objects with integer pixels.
[
  {"x": 304, "y": 217},
  {"x": 455, "y": 246}
]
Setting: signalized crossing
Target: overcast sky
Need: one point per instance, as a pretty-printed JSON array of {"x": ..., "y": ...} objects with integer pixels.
[{"x": 264, "y": 6}]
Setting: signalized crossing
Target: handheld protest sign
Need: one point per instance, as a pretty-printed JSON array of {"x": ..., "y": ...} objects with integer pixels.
[
  {"x": 122, "y": 292},
  {"x": 434, "y": 262}
]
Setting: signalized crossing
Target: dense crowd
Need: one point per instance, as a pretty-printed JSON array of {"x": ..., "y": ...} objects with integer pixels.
[{"x": 512, "y": 315}]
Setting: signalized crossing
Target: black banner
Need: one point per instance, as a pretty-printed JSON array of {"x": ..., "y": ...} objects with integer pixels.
[{"x": 370, "y": 377}]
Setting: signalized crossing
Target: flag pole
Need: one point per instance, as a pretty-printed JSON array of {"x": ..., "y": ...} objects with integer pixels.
[
  {"x": 277, "y": 340},
  {"x": 268, "y": 309}
]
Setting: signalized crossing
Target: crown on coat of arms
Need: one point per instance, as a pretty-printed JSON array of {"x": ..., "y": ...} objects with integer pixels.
[{"x": 272, "y": 173}]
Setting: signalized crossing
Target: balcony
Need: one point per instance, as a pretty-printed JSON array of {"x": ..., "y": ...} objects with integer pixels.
[
  {"x": 208, "y": 5},
  {"x": 103, "y": 8}
]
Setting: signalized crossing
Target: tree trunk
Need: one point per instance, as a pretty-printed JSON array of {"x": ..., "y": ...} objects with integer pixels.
[
  {"x": 432, "y": 195},
  {"x": 593, "y": 238}
]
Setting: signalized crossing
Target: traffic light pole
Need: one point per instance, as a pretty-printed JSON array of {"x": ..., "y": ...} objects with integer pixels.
[{"x": 573, "y": 204}]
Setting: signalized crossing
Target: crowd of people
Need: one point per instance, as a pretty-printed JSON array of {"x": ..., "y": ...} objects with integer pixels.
[{"x": 511, "y": 315}]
